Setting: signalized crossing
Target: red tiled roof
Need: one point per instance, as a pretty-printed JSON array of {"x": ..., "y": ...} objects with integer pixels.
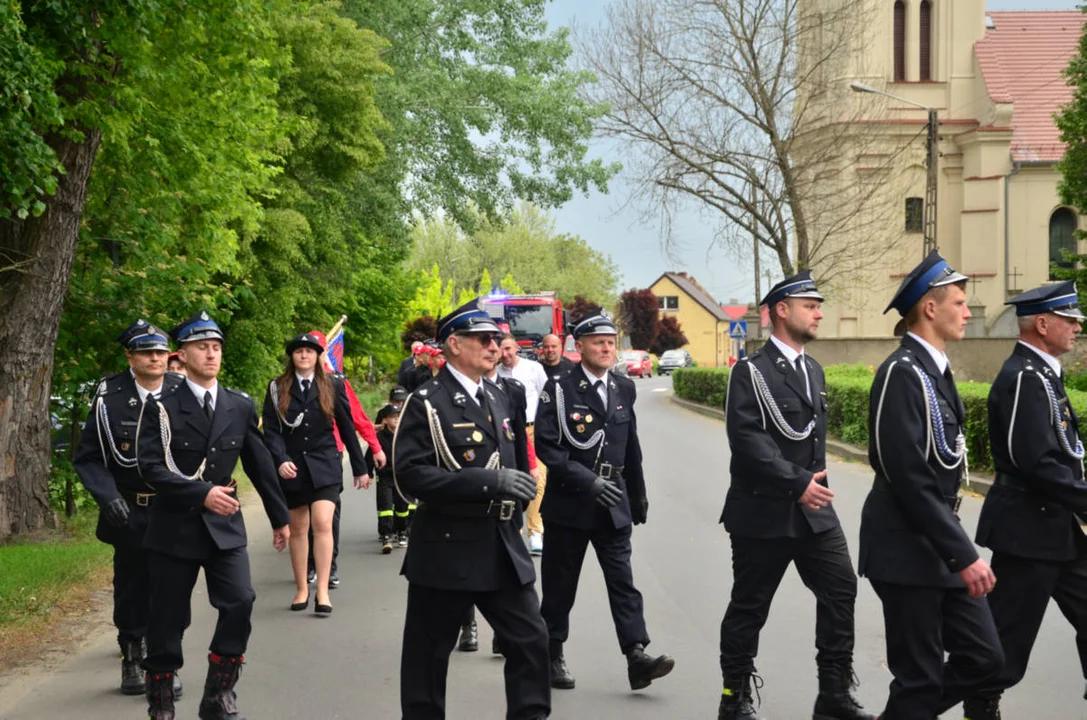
[{"x": 1021, "y": 60}]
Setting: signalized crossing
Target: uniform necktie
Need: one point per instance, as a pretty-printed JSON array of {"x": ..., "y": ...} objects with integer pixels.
[
  {"x": 598, "y": 386},
  {"x": 208, "y": 409},
  {"x": 481, "y": 397},
  {"x": 802, "y": 372},
  {"x": 305, "y": 388}
]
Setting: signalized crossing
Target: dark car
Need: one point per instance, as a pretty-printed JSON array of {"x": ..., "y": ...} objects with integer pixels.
[{"x": 672, "y": 359}]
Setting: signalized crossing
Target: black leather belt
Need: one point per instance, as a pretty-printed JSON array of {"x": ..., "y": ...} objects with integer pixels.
[
  {"x": 609, "y": 471},
  {"x": 497, "y": 509},
  {"x": 1010, "y": 481},
  {"x": 140, "y": 499},
  {"x": 881, "y": 484}
]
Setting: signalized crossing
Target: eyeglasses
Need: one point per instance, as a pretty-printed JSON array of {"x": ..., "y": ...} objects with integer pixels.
[{"x": 485, "y": 339}]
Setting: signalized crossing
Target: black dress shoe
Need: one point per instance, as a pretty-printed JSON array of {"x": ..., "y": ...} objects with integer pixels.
[
  {"x": 561, "y": 677},
  {"x": 643, "y": 669},
  {"x": 469, "y": 638},
  {"x": 333, "y": 580},
  {"x": 295, "y": 607},
  {"x": 320, "y": 609}
]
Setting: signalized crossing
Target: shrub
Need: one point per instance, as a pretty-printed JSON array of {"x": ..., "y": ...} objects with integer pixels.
[
  {"x": 706, "y": 386},
  {"x": 848, "y": 390}
]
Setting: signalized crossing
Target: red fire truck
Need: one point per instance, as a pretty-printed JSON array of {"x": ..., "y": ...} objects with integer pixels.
[{"x": 530, "y": 317}]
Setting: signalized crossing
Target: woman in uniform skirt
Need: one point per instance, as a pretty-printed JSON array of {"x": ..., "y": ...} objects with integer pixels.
[{"x": 301, "y": 408}]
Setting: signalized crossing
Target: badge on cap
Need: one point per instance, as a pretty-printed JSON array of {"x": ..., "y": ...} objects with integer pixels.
[{"x": 204, "y": 315}]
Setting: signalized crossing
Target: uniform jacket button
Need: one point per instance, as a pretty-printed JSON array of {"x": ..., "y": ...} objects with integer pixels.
[
  {"x": 484, "y": 488},
  {"x": 446, "y": 536}
]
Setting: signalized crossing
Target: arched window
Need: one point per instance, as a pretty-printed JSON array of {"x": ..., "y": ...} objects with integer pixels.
[
  {"x": 900, "y": 41},
  {"x": 1062, "y": 237},
  {"x": 926, "y": 40}
]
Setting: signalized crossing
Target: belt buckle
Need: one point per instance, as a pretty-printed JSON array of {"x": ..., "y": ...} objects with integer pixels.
[
  {"x": 606, "y": 470},
  {"x": 144, "y": 499},
  {"x": 505, "y": 509}
]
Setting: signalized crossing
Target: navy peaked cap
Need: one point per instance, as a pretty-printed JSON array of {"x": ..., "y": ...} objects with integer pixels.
[
  {"x": 1059, "y": 298},
  {"x": 199, "y": 327},
  {"x": 598, "y": 324},
  {"x": 142, "y": 336},
  {"x": 468, "y": 318},
  {"x": 798, "y": 286},
  {"x": 304, "y": 340},
  {"x": 933, "y": 272}
]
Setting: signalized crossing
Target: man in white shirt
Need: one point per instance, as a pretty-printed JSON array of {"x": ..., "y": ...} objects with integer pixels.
[{"x": 532, "y": 375}]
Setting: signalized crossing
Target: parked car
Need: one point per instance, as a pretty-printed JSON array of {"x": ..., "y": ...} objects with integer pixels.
[
  {"x": 672, "y": 359},
  {"x": 620, "y": 367},
  {"x": 638, "y": 363}
]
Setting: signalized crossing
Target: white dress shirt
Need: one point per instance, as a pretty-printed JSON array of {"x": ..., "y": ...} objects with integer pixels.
[
  {"x": 791, "y": 355},
  {"x": 602, "y": 389},
  {"x": 940, "y": 358},
  {"x": 470, "y": 386},
  {"x": 199, "y": 392},
  {"x": 142, "y": 391}
]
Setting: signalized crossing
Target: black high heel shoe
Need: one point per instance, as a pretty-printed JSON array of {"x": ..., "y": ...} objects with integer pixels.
[
  {"x": 320, "y": 609},
  {"x": 295, "y": 607}
]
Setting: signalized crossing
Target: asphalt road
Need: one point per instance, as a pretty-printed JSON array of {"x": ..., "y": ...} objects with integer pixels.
[{"x": 347, "y": 666}]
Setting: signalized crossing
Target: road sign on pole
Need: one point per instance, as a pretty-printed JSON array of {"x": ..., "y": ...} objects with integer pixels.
[{"x": 737, "y": 329}]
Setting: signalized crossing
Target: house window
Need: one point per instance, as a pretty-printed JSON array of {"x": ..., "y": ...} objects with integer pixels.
[
  {"x": 900, "y": 41},
  {"x": 1062, "y": 238},
  {"x": 926, "y": 40},
  {"x": 668, "y": 302},
  {"x": 915, "y": 215}
]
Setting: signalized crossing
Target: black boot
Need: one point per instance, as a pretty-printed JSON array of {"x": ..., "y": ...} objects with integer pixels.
[
  {"x": 736, "y": 701},
  {"x": 643, "y": 669},
  {"x": 977, "y": 708},
  {"x": 469, "y": 637},
  {"x": 219, "y": 701},
  {"x": 160, "y": 696},
  {"x": 561, "y": 677},
  {"x": 132, "y": 656},
  {"x": 835, "y": 700}
]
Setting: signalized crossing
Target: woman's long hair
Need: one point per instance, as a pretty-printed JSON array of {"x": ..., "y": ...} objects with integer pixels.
[{"x": 320, "y": 377}]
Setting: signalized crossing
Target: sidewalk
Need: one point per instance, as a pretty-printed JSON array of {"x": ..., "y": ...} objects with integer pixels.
[{"x": 979, "y": 483}]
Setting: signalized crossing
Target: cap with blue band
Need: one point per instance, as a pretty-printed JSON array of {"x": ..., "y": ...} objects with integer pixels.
[
  {"x": 933, "y": 272},
  {"x": 798, "y": 286},
  {"x": 468, "y": 318},
  {"x": 199, "y": 327},
  {"x": 142, "y": 336},
  {"x": 1059, "y": 298},
  {"x": 598, "y": 324}
]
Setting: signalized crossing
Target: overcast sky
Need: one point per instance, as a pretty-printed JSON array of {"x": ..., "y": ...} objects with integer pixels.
[{"x": 611, "y": 225}]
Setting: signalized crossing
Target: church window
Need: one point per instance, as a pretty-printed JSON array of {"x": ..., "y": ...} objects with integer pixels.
[
  {"x": 915, "y": 215},
  {"x": 1062, "y": 237},
  {"x": 926, "y": 40},
  {"x": 900, "y": 41}
]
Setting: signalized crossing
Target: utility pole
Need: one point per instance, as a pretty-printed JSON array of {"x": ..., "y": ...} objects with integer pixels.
[
  {"x": 755, "y": 241},
  {"x": 931, "y": 178}
]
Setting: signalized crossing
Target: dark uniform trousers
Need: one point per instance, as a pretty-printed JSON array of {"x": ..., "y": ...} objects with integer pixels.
[
  {"x": 183, "y": 536},
  {"x": 942, "y": 645},
  {"x": 462, "y": 551},
  {"x": 571, "y": 408},
  {"x": 768, "y": 528},
  {"x": 1029, "y": 518},
  {"x": 106, "y": 481}
]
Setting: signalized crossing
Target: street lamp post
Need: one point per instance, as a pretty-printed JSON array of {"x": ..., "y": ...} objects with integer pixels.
[{"x": 932, "y": 127}]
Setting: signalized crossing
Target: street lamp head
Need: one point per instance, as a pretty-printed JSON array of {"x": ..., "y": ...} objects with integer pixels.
[{"x": 862, "y": 88}]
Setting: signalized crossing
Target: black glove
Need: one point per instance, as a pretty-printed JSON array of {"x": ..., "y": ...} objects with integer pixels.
[
  {"x": 606, "y": 492},
  {"x": 516, "y": 484},
  {"x": 116, "y": 512},
  {"x": 639, "y": 509}
]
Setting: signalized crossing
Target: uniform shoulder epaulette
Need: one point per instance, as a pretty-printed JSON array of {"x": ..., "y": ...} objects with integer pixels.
[
  {"x": 515, "y": 382},
  {"x": 239, "y": 393},
  {"x": 428, "y": 388}
]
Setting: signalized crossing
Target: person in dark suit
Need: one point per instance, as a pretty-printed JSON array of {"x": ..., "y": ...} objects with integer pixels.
[
  {"x": 410, "y": 362},
  {"x": 1031, "y": 515},
  {"x": 455, "y": 451},
  {"x": 587, "y": 436},
  {"x": 920, "y": 561},
  {"x": 189, "y": 442},
  {"x": 302, "y": 408},
  {"x": 105, "y": 461},
  {"x": 555, "y": 364},
  {"x": 779, "y": 507}
]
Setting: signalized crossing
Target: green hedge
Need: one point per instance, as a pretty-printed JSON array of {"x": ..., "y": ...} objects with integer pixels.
[{"x": 848, "y": 388}]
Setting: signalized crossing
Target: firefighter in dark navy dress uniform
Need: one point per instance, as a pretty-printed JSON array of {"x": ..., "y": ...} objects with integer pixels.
[
  {"x": 188, "y": 446},
  {"x": 455, "y": 451},
  {"x": 105, "y": 461},
  {"x": 587, "y": 436},
  {"x": 1031, "y": 516},
  {"x": 920, "y": 561},
  {"x": 779, "y": 507}
]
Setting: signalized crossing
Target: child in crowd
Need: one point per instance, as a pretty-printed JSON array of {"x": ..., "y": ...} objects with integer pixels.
[{"x": 394, "y": 510}]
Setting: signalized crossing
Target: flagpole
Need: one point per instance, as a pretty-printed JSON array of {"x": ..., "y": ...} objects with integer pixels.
[{"x": 336, "y": 328}]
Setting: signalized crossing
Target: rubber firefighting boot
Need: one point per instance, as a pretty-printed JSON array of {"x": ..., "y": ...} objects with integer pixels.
[
  {"x": 160, "y": 696},
  {"x": 132, "y": 655},
  {"x": 978, "y": 708}
]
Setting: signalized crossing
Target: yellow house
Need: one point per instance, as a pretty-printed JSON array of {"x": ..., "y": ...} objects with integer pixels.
[
  {"x": 995, "y": 81},
  {"x": 700, "y": 317}
]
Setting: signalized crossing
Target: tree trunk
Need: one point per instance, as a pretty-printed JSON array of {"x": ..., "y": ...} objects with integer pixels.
[{"x": 31, "y": 297}]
